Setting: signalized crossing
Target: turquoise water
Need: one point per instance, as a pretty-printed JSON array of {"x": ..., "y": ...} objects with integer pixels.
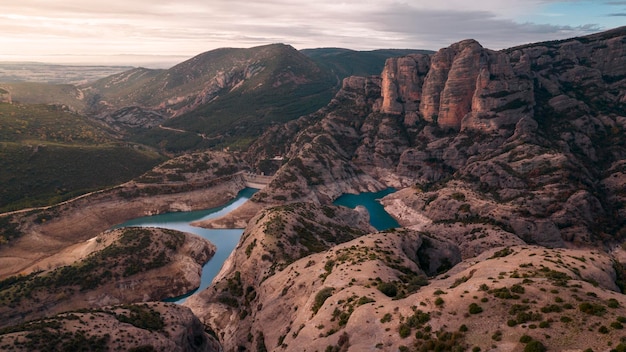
[
  {"x": 224, "y": 239},
  {"x": 379, "y": 218}
]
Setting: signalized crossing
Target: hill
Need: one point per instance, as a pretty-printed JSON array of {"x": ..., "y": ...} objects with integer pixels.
[
  {"x": 50, "y": 154},
  {"x": 345, "y": 62},
  {"x": 225, "y": 96}
]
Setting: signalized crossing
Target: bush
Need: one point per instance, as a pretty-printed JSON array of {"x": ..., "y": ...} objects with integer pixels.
[
  {"x": 386, "y": 318},
  {"x": 475, "y": 308},
  {"x": 388, "y": 288},
  {"x": 535, "y": 346},
  {"x": 592, "y": 308},
  {"x": 321, "y": 297},
  {"x": 404, "y": 331},
  {"x": 439, "y": 301},
  {"x": 525, "y": 339}
]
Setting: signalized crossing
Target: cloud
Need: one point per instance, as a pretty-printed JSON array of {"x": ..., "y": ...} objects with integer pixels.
[
  {"x": 617, "y": 14},
  {"x": 188, "y": 27}
]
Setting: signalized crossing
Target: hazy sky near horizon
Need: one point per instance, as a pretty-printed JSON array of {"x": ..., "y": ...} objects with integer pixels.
[{"x": 164, "y": 32}]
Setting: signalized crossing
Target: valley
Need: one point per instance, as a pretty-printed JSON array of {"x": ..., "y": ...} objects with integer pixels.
[{"x": 510, "y": 179}]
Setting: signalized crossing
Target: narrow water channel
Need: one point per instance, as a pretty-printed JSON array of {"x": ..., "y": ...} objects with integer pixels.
[{"x": 224, "y": 239}]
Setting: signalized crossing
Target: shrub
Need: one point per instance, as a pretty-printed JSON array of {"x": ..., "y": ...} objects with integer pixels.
[
  {"x": 525, "y": 339},
  {"x": 603, "y": 330},
  {"x": 404, "y": 331},
  {"x": 386, "y": 318},
  {"x": 321, "y": 297},
  {"x": 518, "y": 289},
  {"x": 439, "y": 301},
  {"x": 475, "y": 308},
  {"x": 388, "y": 288},
  {"x": 592, "y": 308},
  {"x": 535, "y": 346},
  {"x": 617, "y": 325}
]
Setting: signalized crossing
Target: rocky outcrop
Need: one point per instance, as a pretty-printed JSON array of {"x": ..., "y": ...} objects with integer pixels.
[
  {"x": 374, "y": 291},
  {"x": 463, "y": 86},
  {"x": 123, "y": 266},
  {"x": 145, "y": 327},
  {"x": 289, "y": 254},
  {"x": 531, "y": 137}
]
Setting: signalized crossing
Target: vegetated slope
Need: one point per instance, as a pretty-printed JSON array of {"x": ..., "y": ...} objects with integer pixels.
[
  {"x": 67, "y": 95},
  {"x": 50, "y": 154},
  {"x": 221, "y": 96},
  {"x": 123, "y": 266},
  {"x": 139, "y": 327},
  {"x": 190, "y": 182},
  {"x": 346, "y": 62},
  {"x": 373, "y": 292}
]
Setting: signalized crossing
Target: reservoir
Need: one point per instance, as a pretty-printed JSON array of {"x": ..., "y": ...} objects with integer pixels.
[
  {"x": 224, "y": 239},
  {"x": 379, "y": 218}
]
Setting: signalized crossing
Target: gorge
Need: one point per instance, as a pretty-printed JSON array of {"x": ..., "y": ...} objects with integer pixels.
[{"x": 510, "y": 179}]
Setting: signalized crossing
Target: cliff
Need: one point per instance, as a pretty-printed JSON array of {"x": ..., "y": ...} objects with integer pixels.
[{"x": 528, "y": 139}]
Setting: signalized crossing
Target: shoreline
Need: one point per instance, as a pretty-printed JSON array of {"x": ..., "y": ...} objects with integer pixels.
[{"x": 81, "y": 219}]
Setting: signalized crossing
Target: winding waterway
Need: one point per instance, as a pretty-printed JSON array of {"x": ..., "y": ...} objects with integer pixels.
[{"x": 224, "y": 239}]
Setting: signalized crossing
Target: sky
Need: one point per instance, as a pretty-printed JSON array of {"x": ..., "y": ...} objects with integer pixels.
[{"x": 160, "y": 33}]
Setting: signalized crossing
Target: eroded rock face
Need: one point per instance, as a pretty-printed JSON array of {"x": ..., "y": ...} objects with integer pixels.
[{"x": 535, "y": 132}]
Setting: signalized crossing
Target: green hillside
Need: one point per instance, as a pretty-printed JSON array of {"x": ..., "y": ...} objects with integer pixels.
[
  {"x": 48, "y": 154},
  {"x": 286, "y": 86},
  {"x": 345, "y": 62}
]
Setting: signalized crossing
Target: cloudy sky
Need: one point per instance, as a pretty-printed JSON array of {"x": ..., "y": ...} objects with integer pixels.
[{"x": 162, "y": 32}]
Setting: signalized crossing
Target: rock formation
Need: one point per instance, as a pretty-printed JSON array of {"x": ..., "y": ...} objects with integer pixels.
[{"x": 529, "y": 138}]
